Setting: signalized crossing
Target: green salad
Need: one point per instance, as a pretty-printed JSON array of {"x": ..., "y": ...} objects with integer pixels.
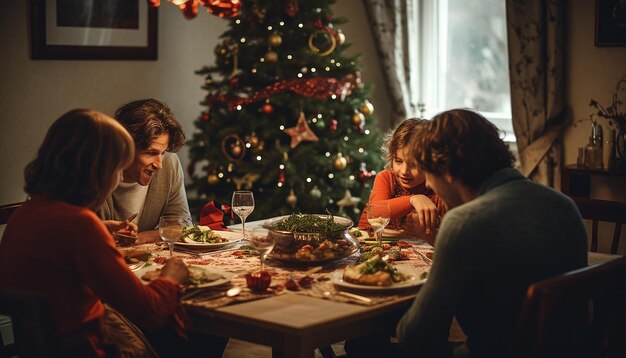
[
  {"x": 307, "y": 223},
  {"x": 197, "y": 234}
]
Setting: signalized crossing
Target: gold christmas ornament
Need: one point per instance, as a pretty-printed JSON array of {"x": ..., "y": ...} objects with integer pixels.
[
  {"x": 358, "y": 118},
  {"x": 271, "y": 56},
  {"x": 367, "y": 108},
  {"x": 292, "y": 199},
  {"x": 316, "y": 193},
  {"x": 340, "y": 162},
  {"x": 246, "y": 181},
  {"x": 347, "y": 200},
  {"x": 341, "y": 37},
  {"x": 275, "y": 40},
  {"x": 331, "y": 38},
  {"x": 213, "y": 179}
]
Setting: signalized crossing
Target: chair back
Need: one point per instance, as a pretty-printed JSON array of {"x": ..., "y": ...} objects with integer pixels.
[
  {"x": 581, "y": 313},
  {"x": 7, "y": 210},
  {"x": 35, "y": 332},
  {"x": 603, "y": 210}
]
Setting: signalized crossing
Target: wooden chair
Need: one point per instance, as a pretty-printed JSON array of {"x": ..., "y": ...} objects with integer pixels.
[
  {"x": 34, "y": 329},
  {"x": 7, "y": 210},
  {"x": 581, "y": 313},
  {"x": 603, "y": 210}
]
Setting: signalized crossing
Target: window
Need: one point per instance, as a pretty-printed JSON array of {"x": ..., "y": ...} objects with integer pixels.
[{"x": 463, "y": 59}]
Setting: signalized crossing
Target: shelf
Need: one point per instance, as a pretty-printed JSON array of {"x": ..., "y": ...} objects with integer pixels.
[{"x": 576, "y": 182}]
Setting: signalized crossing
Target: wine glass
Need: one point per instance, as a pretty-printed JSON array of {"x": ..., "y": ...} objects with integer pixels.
[
  {"x": 171, "y": 229},
  {"x": 378, "y": 216},
  {"x": 263, "y": 242},
  {"x": 243, "y": 205}
]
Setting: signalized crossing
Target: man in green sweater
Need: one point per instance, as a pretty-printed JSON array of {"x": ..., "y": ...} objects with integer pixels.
[{"x": 502, "y": 232}]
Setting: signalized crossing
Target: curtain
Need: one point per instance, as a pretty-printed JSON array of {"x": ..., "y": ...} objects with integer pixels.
[
  {"x": 393, "y": 22},
  {"x": 535, "y": 40}
]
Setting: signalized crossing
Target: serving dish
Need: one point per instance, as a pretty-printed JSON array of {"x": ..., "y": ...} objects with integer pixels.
[{"x": 312, "y": 247}]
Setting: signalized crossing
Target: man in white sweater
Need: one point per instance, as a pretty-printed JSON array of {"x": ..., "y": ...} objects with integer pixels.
[{"x": 153, "y": 185}]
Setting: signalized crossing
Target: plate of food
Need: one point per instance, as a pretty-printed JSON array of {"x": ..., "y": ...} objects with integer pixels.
[
  {"x": 199, "y": 276},
  {"x": 205, "y": 238},
  {"x": 376, "y": 274}
]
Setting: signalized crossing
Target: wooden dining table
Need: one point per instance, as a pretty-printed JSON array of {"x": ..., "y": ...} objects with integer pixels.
[{"x": 294, "y": 323}]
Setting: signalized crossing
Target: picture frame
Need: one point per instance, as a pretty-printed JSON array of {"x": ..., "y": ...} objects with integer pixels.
[
  {"x": 610, "y": 26},
  {"x": 99, "y": 30}
]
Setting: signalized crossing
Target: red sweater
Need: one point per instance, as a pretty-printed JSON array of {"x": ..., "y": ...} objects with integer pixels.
[
  {"x": 66, "y": 251},
  {"x": 386, "y": 189}
]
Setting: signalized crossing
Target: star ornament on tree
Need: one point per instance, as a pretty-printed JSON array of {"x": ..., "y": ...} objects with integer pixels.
[
  {"x": 301, "y": 132},
  {"x": 347, "y": 200}
]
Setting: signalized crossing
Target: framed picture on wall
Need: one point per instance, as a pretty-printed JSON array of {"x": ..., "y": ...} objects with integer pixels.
[
  {"x": 610, "y": 22},
  {"x": 93, "y": 30}
]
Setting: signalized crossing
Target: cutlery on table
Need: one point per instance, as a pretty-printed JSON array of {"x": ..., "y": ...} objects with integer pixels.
[
  {"x": 232, "y": 292},
  {"x": 349, "y": 295},
  {"x": 137, "y": 265},
  {"x": 424, "y": 257}
]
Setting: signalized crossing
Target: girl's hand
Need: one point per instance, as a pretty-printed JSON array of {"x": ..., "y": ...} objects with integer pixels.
[
  {"x": 412, "y": 228},
  {"x": 427, "y": 215}
]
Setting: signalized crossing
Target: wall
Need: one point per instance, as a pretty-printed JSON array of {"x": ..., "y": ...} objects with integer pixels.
[
  {"x": 592, "y": 73},
  {"x": 34, "y": 93}
]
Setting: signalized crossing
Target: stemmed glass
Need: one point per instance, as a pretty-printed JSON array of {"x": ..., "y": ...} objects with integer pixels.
[
  {"x": 243, "y": 205},
  {"x": 171, "y": 229},
  {"x": 263, "y": 242},
  {"x": 378, "y": 216}
]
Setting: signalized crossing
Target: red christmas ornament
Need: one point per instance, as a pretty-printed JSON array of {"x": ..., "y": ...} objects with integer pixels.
[
  {"x": 267, "y": 108},
  {"x": 205, "y": 116},
  {"x": 291, "y": 8},
  {"x": 281, "y": 176},
  {"x": 332, "y": 125},
  {"x": 154, "y": 3},
  {"x": 234, "y": 82},
  {"x": 223, "y": 8}
]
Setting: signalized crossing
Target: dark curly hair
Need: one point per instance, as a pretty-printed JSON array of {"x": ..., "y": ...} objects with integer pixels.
[
  {"x": 147, "y": 119},
  {"x": 463, "y": 144}
]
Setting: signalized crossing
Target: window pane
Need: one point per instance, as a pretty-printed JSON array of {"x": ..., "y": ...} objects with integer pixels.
[{"x": 476, "y": 61}]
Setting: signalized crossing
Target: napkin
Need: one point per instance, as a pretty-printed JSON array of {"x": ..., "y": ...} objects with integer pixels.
[{"x": 212, "y": 215}]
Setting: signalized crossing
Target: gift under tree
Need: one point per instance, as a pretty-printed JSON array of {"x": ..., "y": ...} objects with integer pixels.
[{"x": 287, "y": 115}]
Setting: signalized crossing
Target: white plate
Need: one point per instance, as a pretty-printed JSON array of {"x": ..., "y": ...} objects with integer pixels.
[
  {"x": 226, "y": 276},
  {"x": 232, "y": 237},
  {"x": 413, "y": 281}
]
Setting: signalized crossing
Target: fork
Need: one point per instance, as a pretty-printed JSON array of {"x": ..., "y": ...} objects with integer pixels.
[
  {"x": 424, "y": 257},
  {"x": 349, "y": 295},
  {"x": 137, "y": 265}
]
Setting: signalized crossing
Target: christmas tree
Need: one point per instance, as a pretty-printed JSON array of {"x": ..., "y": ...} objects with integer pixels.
[{"x": 287, "y": 116}]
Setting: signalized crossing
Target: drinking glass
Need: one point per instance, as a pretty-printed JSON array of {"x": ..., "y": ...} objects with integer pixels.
[
  {"x": 263, "y": 242},
  {"x": 243, "y": 204},
  {"x": 171, "y": 229},
  {"x": 378, "y": 216}
]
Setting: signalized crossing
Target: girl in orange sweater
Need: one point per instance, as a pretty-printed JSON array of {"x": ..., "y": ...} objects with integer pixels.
[{"x": 403, "y": 186}]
